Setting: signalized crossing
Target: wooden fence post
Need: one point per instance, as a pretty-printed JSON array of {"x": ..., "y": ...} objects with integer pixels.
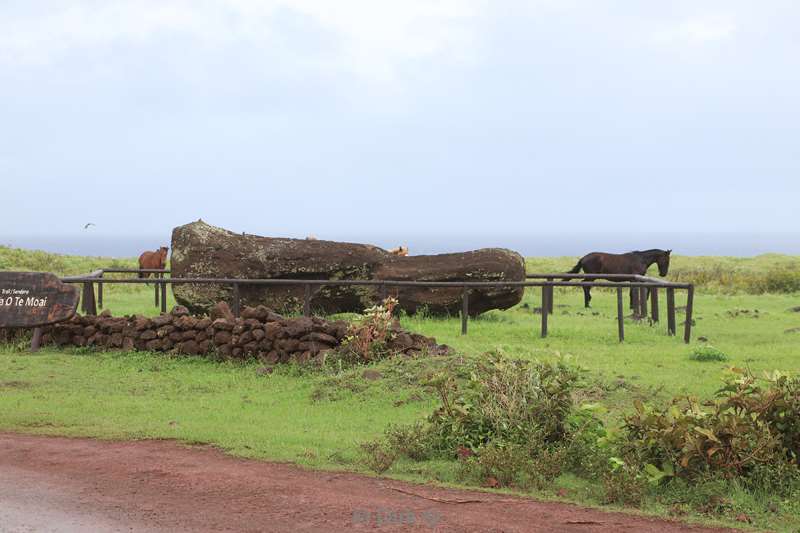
[
  {"x": 687, "y": 334},
  {"x": 163, "y": 293},
  {"x": 36, "y": 341},
  {"x": 643, "y": 302},
  {"x": 89, "y": 304},
  {"x": 100, "y": 291},
  {"x": 545, "y": 310},
  {"x": 670, "y": 311},
  {"x": 464, "y": 310},
  {"x": 654, "y": 311},
  {"x": 621, "y": 314}
]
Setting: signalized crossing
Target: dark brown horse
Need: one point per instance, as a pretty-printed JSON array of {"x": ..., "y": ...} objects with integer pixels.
[
  {"x": 153, "y": 260},
  {"x": 634, "y": 263}
]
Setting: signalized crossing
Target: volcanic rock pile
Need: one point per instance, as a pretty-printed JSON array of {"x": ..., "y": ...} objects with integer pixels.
[{"x": 258, "y": 332}]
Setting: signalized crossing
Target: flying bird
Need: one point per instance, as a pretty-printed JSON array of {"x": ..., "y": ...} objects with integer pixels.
[{"x": 88, "y": 224}]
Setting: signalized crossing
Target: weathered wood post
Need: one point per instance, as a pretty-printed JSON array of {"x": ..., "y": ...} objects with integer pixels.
[
  {"x": 621, "y": 313},
  {"x": 464, "y": 309},
  {"x": 237, "y": 301},
  {"x": 550, "y": 297},
  {"x": 89, "y": 305},
  {"x": 687, "y": 334},
  {"x": 36, "y": 341},
  {"x": 643, "y": 302},
  {"x": 156, "y": 290},
  {"x": 545, "y": 312},
  {"x": 654, "y": 311},
  {"x": 163, "y": 287},
  {"x": 307, "y": 299},
  {"x": 99, "y": 290},
  {"x": 670, "y": 311}
]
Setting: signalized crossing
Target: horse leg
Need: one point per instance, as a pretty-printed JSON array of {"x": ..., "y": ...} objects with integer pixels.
[{"x": 587, "y": 296}]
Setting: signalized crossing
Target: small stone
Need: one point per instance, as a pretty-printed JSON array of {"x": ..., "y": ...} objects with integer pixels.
[
  {"x": 222, "y": 324},
  {"x": 221, "y": 310},
  {"x": 222, "y": 337},
  {"x": 371, "y": 375},
  {"x": 179, "y": 310},
  {"x": 188, "y": 347}
]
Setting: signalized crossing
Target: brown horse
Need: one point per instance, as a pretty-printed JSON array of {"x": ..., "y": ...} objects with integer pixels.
[
  {"x": 153, "y": 260},
  {"x": 634, "y": 263}
]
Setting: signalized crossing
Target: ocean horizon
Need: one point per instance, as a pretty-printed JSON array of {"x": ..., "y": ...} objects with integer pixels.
[{"x": 694, "y": 244}]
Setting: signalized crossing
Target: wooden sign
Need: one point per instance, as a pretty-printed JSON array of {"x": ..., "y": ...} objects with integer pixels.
[{"x": 33, "y": 299}]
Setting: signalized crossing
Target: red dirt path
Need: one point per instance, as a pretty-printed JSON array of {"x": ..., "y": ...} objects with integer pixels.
[{"x": 63, "y": 484}]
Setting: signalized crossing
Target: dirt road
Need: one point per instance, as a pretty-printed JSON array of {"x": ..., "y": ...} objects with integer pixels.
[{"x": 76, "y": 485}]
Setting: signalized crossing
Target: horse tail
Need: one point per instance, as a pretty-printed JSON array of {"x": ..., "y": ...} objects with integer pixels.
[{"x": 577, "y": 268}]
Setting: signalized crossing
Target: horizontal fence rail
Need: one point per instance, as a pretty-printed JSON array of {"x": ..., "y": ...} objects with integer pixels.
[{"x": 641, "y": 288}]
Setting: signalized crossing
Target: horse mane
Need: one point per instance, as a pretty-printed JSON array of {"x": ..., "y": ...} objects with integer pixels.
[{"x": 650, "y": 251}]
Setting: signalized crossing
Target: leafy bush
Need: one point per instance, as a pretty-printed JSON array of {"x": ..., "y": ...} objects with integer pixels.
[
  {"x": 411, "y": 441},
  {"x": 775, "y": 399},
  {"x": 746, "y": 427},
  {"x": 520, "y": 465},
  {"x": 509, "y": 420},
  {"x": 514, "y": 423},
  {"x": 623, "y": 483},
  {"x": 512, "y": 400},
  {"x": 708, "y": 353},
  {"x": 366, "y": 341},
  {"x": 377, "y": 456},
  {"x": 783, "y": 280}
]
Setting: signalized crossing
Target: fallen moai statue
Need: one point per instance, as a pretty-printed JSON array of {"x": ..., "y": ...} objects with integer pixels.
[{"x": 200, "y": 250}]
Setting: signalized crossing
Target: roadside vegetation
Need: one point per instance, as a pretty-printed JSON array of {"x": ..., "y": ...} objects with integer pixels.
[{"x": 705, "y": 432}]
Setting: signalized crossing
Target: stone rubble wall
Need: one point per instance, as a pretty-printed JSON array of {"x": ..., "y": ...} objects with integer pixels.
[{"x": 257, "y": 333}]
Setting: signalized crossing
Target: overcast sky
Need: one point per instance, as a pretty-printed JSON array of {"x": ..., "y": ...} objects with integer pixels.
[{"x": 340, "y": 118}]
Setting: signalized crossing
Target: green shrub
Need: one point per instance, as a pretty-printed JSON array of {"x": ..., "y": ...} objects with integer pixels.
[
  {"x": 623, "y": 483},
  {"x": 783, "y": 280},
  {"x": 377, "y": 456},
  {"x": 512, "y": 400},
  {"x": 774, "y": 399},
  {"x": 751, "y": 423},
  {"x": 412, "y": 441},
  {"x": 510, "y": 420},
  {"x": 707, "y": 353},
  {"x": 510, "y": 464}
]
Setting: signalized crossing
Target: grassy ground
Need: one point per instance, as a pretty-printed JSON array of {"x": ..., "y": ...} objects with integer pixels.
[{"x": 319, "y": 420}]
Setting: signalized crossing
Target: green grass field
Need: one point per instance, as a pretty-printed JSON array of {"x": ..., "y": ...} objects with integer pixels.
[{"x": 318, "y": 420}]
